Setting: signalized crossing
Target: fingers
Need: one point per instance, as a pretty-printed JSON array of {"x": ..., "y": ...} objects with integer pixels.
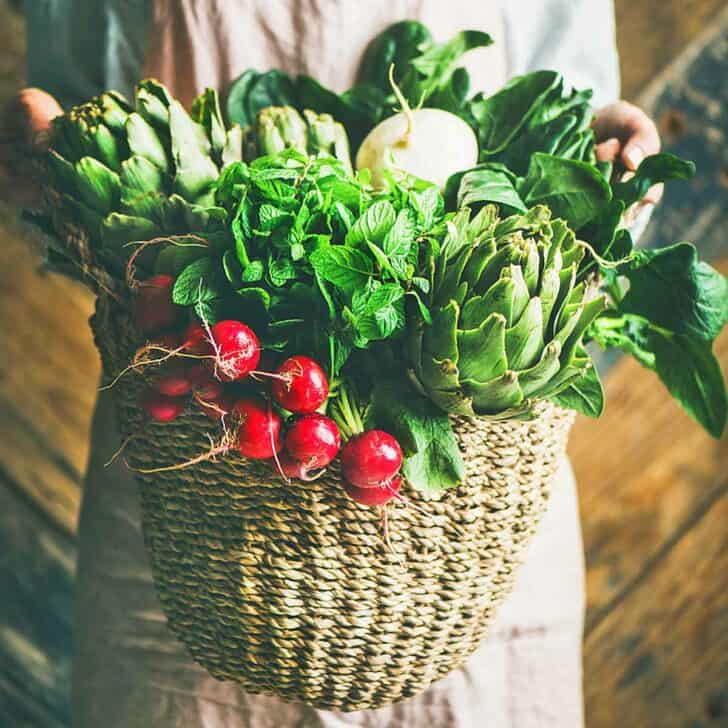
[
  {"x": 654, "y": 194},
  {"x": 29, "y": 117},
  {"x": 628, "y": 124},
  {"x": 608, "y": 150}
]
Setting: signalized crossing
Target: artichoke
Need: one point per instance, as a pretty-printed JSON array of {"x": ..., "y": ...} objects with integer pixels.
[
  {"x": 127, "y": 173},
  {"x": 281, "y": 127},
  {"x": 508, "y": 314}
]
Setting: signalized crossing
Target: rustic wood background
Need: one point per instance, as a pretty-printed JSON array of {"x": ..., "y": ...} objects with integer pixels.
[{"x": 653, "y": 486}]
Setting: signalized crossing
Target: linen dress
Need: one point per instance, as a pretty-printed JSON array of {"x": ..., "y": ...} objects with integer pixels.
[{"x": 129, "y": 670}]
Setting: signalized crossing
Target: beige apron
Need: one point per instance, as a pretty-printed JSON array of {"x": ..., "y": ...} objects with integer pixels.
[{"x": 129, "y": 670}]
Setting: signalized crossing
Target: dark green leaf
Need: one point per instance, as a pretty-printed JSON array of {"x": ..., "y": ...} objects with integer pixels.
[
  {"x": 653, "y": 169},
  {"x": 197, "y": 282},
  {"x": 674, "y": 290},
  {"x": 432, "y": 458},
  {"x": 585, "y": 395}
]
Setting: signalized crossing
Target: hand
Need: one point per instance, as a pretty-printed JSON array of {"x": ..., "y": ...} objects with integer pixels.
[
  {"x": 625, "y": 133},
  {"x": 24, "y": 132}
]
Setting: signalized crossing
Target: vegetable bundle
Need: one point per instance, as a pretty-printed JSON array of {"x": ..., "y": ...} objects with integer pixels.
[{"x": 432, "y": 281}]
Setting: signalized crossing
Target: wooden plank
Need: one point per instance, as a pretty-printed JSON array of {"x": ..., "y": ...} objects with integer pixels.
[
  {"x": 650, "y": 33},
  {"x": 37, "y": 572},
  {"x": 661, "y": 659},
  {"x": 642, "y": 469},
  {"x": 48, "y": 377}
]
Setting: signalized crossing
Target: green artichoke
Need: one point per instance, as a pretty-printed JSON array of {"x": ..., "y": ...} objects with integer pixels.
[
  {"x": 129, "y": 173},
  {"x": 281, "y": 127},
  {"x": 507, "y": 314}
]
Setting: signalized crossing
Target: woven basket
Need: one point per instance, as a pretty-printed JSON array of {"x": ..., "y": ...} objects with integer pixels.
[{"x": 291, "y": 590}]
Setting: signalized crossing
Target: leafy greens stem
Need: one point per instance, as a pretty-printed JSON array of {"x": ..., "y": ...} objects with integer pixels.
[
  {"x": 406, "y": 110},
  {"x": 345, "y": 410}
]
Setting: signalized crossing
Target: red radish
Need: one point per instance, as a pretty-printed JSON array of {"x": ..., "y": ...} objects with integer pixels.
[
  {"x": 259, "y": 431},
  {"x": 313, "y": 440},
  {"x": 196, "y": 340},
  {"x": 154, "y": 309},
  {"x": 292, "y": 468},
  {"x": 237, "y": 350},
  {"x": 162, "y": 408},
  {"x": 377, "y": 496},
  {"x": 174, "y": 380},
  {"x": 301, "y": 385},
  {"x": 201, "y": 377},
  {"x": 370, "y": 459}
]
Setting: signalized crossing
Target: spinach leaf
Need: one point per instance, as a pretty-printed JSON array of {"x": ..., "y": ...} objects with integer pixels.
[
  {"x": 574, "y": 191},
  {"x": 692, "y": 375},
  {"x": 433, "y": 68},
  {"x": 501, "y": 116},
  {"x": 586, "y": 395},
  {"x": 655, "y": 168},
  {"x": 397, "y": 45},
  {"x": 253, "y": 91},
  {"x": 433, "y": 461},
  {"x": 674, "y": 290},
  {"x": 489, "y": 183}
]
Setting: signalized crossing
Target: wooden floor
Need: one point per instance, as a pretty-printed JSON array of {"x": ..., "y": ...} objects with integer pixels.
[{"x": 653, "y": 487}]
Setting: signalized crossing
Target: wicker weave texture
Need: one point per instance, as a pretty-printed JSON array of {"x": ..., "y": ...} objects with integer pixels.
[{"x": 291, "y": 590}]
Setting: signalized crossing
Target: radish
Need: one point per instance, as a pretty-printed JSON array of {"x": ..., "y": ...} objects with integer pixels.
[
  {"x": 377, "y": 496},
  {"x": 154, "y": 309},
  {"x": 259, "y": 430},
  {"x": 431, "y": 144},
  {"x": 174, "y": 381},
  {"x": 162, "y": 408},
  {"x": 237, "y": 350},
  {"x": 313, "y": 440},
  {"x": 196, "y": 340},
  {"x": 292, "y": 468},
  {"x": 300, "y": 385},
  {"x": 210, "y": 394},
  {"x": 370, "y": 459}
]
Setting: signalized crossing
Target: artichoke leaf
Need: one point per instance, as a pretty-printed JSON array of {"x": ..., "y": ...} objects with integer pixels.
[
  {"x": 452, "y": 276},
  {"x": 144, "y": 141},
  {"x": 153, "y": 102},
  {"x": 524, "y": 340},
  {"x": 537, "y": 376},
  {"x": 115, "y": 110},
  {"x": 501, "y": 393},
  {"x": 63, "y": 172},
  {"x": 441, "y": 335},
  {"x": 482, "y": 351},
  {"x": 141, "y": 175},
  {"x": 439, "y": 374},
  {"x": 97, "y": 185},
  {"x": 117, "y": 230},
  {"x": 142, "y": 204},
  {"x": 455, "y": 402},
  {"x": 196, "y": 172},
  {"x": 548, "y": 294},
  {"x": 233, "y": 149},
  {"x": 589, "y": 311},
  {"x": 106, "y": 147},
  {"x": 479, "y": 258}
]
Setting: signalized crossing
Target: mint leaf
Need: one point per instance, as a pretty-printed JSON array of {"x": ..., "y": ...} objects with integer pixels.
[
  {"x": 380, "y": 313},
  {"x": 280, "y": 271},
  {"x": 433, "y": 461},
  {"x": 674, "y": 290},
  {"x": 197, "y": 282},
  {"x": 373, "y": 225},
  {"x": 428, "y": 205},
  {"x": 401, "y": 236},
  {"x": 253, "y": 272},
  {"x": 346, "y": 268}
]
